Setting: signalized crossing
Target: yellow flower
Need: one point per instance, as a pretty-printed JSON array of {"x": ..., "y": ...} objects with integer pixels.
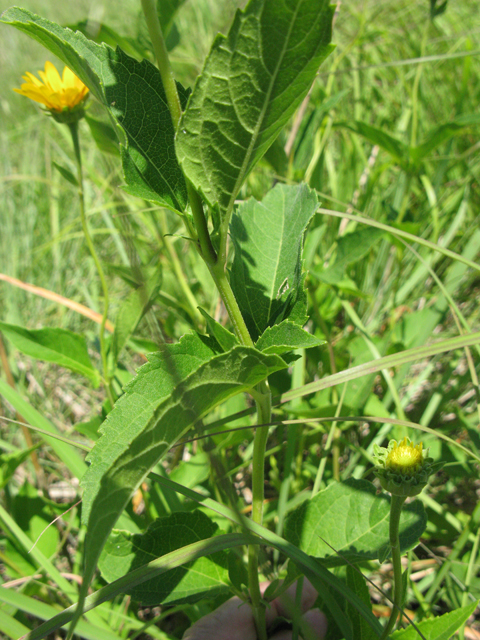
[{"x": 57, "y": 93}]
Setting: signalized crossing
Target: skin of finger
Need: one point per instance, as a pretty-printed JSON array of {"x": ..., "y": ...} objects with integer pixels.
[
  {"x": 285, "y": 604},
  {"x": 233, "y": 620},
  {"x": 317, "y": 624}
]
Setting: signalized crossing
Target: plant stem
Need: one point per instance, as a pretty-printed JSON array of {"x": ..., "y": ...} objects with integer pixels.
[
  {"x": 395, "y": 512},
  {"x": 217, "y": 267},
  {"x": 263, "y": 401},
  {"x": 156, "y": 35},
  {"x": 88, "y": 238}
]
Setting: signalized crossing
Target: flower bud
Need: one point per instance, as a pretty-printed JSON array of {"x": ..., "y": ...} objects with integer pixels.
[{"x": 403, "y": 468}]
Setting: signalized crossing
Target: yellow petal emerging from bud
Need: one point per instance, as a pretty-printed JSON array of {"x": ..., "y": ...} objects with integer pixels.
[
  {"x": 58, "y": 94},
  {"x": 403, "y": 468}
]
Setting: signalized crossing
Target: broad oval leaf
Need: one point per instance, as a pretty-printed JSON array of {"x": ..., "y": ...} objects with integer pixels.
[
  {"x": 266, "y": 274},
  {"x": 133, "y": 94},
  {"x": 175, "y": 389},
  {"x": 252, "y": 82},
  {"x": 348, "y": 522},
  {"x": 204, "y": 577},
  {"x": 61, "y": 346}
]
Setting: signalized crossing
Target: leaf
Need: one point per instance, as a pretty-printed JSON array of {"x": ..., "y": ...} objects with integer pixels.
[
  {"x": 223, "y": 336},
  {"x": 251, "y": 83},
  {"x": 357, "y": 583},
  {"x": 66, "y": 173},
  {"x": 100, "y": 32},
  {"x": 286, "y": 336},
  {"x": 440, "y": 628},
  {"x": 397, "y": 149},
  {"x": 166, "y": 10},
  {"x": 133, "y": 94},
  {"x": 61, "y": 346},
  {"x": 266, "y": 275},
  {"x": 175, "y": 389},
  {"x": 351, "y": 518},
  {"x": 204, "y": 577},
  {"x": 351, "y": 248},
  {"x": 10, "y": 461},
  {"x": 132, "y": 310},
  {"x": 104, "y": 136}
]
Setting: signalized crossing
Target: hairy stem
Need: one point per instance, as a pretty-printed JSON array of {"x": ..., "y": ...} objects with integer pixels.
[
  {"x": 395, "y": 512},
  {"x": 88, "y": 238}
]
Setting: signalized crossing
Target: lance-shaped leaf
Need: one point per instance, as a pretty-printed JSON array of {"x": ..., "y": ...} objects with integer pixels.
[
  {"x": 252, "y": 82},
  {"x": 349, "y": 523},
  {"x": 205, "y": 577},
  {"x": 175, "y": 389},
  {"x": 61, "y": 346},
  {"x": 440, "y": 628},
  {"x": 266, "y": 274},
  {"x": 133, "y": 94}
]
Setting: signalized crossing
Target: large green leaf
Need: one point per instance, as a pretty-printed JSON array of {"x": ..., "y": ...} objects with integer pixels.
[
  {"x": 132, "y": 310},
  {"x": 133, "y": 94},
  {"x": 252, "y": 82},
  {"x": 441, "y": 628},
  {"x": 175, "y": 389},
  {"x": 61, "y": 346},
  {"x": 266, "y": 275},
  {"x": 348, "y": 523},
  {"x": 204, "y": 577}
]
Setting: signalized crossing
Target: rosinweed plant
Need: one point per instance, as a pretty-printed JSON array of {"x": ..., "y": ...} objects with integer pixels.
[{"x": 191, "y": 151}]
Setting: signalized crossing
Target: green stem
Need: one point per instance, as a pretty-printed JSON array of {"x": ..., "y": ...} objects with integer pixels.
[
  {"x": 223, "y": 285},
  {"x": 156, "y": 35},
  {"x": 395, "y": 512},
  {"x": 168, "y": 80},
  {"x": 88, "y": 238},
  {"x": 217, "y": 266},
  {"x": 263, "y": 401}
]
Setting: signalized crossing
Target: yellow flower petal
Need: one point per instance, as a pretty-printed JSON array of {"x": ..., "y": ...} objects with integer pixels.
[
  {"x": 52, "y": 76},
  {"x": 55, "y": 92}
]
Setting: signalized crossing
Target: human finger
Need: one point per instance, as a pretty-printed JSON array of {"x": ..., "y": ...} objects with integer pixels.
[
  {"x": 313, "y": 627},
  {"x": 233, "y": 620}
]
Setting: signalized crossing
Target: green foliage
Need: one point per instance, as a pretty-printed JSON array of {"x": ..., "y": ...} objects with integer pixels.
[
  {"x": 151, "y": 171},
  {"x": 177, "y": 387},
  {"x": 439, "y": 628},
  {"x": 60, "y": 346},
  {"x": 261, "y": 141},
  {"x": 348, "y": 523},
  {"x": 266, "y": 273},
  {"x": 286, "y": 336},
  {"x": 132, "y": 310},
  {"x": 205, "y": 577},
  {"x": 251, "y": 83},
  {"x": 10, "y": 461}
]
